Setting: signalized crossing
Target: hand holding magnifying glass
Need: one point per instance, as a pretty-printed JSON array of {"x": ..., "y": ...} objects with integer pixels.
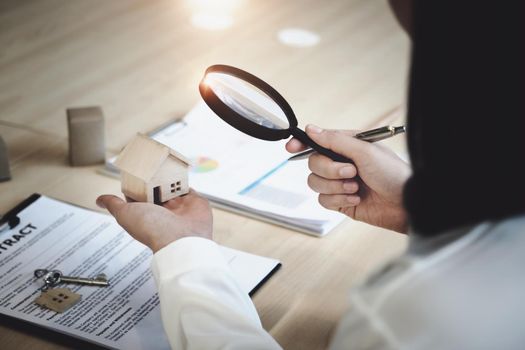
[{"x": 252, "y": 106}]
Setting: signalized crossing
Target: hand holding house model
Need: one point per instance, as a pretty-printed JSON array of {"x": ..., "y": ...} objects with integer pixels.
[{"x": 152, "y": 172}]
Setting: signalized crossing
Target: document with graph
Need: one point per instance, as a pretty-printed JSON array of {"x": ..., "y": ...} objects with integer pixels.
[{"x": 246, "y": 175}]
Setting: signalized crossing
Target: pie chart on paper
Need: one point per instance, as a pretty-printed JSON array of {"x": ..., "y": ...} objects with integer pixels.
[{"x": 204, "y": 165}]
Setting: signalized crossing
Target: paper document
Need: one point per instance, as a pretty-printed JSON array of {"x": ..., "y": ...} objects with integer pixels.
[
  {"x": 80, "y": 242},
  {"x": 241, "y": 173}
]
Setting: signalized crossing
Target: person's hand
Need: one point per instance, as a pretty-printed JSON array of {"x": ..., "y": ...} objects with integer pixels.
[
  {"x": 157, "y": 226},
  {"x": 370, "y": 190}
]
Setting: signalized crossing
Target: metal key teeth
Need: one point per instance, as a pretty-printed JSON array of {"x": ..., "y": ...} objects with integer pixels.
[{"x": 101, "y": 277}]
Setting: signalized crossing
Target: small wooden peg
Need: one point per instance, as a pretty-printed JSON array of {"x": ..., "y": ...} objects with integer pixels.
[
  {"x": 86, "y": 136},
  {"x": 5, "y": 174}
]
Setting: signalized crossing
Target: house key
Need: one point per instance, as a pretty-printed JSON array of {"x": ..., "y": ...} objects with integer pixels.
[{"x": 54, "y": 277}]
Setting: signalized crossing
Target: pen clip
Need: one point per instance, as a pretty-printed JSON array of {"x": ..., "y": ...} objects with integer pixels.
[{"x": 381, "y": 133}]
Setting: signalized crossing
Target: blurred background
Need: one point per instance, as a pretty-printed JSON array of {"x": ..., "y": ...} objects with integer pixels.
[{"x": 339, "y": 63}]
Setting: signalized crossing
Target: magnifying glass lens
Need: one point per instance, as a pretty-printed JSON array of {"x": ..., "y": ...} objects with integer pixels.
[
  {"x": 247, "y": 100},
  {"x": 252, "y": 106}
]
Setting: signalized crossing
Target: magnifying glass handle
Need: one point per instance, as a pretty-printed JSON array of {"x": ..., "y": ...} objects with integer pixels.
[{"x": 304, "y": 138}]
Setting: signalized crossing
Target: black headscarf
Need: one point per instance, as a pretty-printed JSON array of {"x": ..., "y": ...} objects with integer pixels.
[{"x": 466, "y": 118}]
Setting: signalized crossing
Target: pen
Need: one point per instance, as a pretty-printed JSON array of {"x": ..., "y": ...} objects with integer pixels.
[{"x": 370, "y": 136}]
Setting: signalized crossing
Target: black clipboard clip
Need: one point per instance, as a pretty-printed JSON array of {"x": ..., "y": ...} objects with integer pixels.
[{"x": 11, "y": 220}]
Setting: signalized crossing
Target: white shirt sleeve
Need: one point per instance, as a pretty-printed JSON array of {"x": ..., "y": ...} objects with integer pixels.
[{"x": 202, "y": 305}]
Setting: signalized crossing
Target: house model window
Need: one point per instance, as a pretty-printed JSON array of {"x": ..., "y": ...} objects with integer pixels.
[
  {"x": 176, "y": 188},
  {"x": 152, "y": 172}
]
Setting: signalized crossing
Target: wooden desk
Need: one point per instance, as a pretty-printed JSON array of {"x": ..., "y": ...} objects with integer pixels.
[{"x": 141, "y": 61}]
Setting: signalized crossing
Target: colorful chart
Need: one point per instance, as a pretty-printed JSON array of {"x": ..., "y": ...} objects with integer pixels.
[{"x": 204, "y": 165}]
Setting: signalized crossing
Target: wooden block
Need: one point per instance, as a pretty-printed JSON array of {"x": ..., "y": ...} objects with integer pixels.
[
  {"x": 58, "y": 300},
  {"x": 87, "y": 144},
  {"x": 5, "y": 174}
]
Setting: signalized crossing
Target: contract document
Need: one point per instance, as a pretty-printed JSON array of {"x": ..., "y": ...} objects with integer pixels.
[
  {"x": 243, "y": 174},
  {"x": 54, "y": 235}
]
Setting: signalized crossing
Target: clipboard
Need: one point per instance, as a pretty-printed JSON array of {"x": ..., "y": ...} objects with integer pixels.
[
  {"x": 10, "y": 220},
  {"x": 52, "y": 234}
]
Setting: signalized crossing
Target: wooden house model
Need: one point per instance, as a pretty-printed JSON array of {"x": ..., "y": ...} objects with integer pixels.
[{"x": 152, "y": 172}]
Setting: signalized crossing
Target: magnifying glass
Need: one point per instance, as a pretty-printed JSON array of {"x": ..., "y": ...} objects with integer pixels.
[{"x": 252, "y": 106}]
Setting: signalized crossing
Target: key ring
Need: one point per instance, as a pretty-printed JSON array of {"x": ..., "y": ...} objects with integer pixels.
[{"x": 50, "y": 278}]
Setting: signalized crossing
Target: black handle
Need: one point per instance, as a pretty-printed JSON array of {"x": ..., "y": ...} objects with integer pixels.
[{"x": 304, "y": 138}]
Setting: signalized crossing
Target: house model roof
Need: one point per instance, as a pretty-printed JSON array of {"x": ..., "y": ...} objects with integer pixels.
[{"x": 143, "y": 156}]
